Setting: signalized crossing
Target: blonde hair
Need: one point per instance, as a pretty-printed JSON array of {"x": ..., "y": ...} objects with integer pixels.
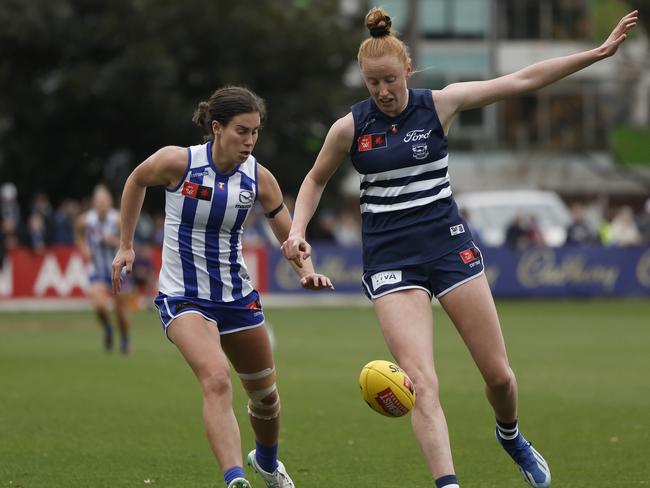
[{"x": 382, "y": 41}]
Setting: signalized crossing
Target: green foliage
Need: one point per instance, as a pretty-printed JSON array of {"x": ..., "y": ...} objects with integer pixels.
[
  {"x": 81, "y": 80},
  {"x": 71, "y": 416},
  {"x": 630, "y": 145},
  {"x": 606, "y": 13}
]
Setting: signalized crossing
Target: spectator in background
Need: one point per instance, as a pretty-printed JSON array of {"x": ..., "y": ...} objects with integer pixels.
[
  {"x": 579, "y": 231},
  {"x": 624, "y": 231},
  {"x": 158, "y": 229},
  {"x": 40, "y": 223},
  {"x": 534, "y": 232},
  {"x": 10, "y": 214},
  {"x": 605, "y": 227},
  {"x": 643, "y": 223},
  {"x": 517, "y": 234},
  {"x": 63, "y": 221},
  {"x": 347, "y": 231}
]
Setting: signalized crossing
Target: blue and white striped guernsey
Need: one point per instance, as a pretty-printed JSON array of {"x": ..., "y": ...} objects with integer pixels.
[
  {"x": 408, "y": 212},
  {"x": 101, "y": 253},
  {"x": 202, "y": 249}
]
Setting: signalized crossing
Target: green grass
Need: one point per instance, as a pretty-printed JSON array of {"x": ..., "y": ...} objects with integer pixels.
[
  {"x": 71, "y": 416},
  {"x": 630, "y": 145}
]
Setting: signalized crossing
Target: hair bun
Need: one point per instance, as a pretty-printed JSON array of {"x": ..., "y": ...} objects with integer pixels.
[{"x": 378, "y": 23}]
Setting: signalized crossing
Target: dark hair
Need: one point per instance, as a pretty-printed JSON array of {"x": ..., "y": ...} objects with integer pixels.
[{"x": 226, "y": 103}]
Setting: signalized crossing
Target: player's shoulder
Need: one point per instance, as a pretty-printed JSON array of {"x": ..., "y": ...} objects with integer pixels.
[
  {"x": 343, "y": 127},
  {"x": 172, "y": 154},
  {"x": 171, "y": 160}
]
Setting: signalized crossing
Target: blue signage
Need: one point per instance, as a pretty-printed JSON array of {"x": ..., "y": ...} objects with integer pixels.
[{"x": 537, "y": 272}]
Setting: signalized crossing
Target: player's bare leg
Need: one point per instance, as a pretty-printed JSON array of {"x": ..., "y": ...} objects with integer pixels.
[
  {"x": 479, "y": 327},
  {"x": 99, "y": 295},
  {"x": 406, "y": 320},
  {"x": 121, "y": 306},
  {"x": 251, "y": 355},
  {"x": 199, "y": 342}
]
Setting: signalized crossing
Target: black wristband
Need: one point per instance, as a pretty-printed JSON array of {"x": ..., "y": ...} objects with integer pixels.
[{"x": 273, "y": 213}]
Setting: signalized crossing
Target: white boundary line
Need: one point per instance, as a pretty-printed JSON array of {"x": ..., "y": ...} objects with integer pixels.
[{"x": 289, "y": 300}]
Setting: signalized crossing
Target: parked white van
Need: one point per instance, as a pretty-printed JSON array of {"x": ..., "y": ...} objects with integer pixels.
[{"x": 491, "y": 212}]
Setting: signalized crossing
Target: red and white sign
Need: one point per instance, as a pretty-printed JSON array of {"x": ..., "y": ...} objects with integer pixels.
[{"x": 60, "y": 272}]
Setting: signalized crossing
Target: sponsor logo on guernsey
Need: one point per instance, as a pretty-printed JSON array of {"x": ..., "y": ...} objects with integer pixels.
[
  {"x": 221, "y": 185},
  {"x": 385, "y": 278},
  {"x": 390, "y": 403},
  {"x": 198, "y": 172},
  {"x": 417, "y": 135},
  {"x": 245, "y": 199},
  {"x": 469, "y": 255},
  {"x": 371, "y": 141},
  {"x": 194, "y": 190},
  {"x": 457, "y": 229},
  {"x": 420, "y": 150}
]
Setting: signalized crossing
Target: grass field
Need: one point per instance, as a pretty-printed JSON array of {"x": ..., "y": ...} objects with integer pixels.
[{"x": 72, "y": 416}]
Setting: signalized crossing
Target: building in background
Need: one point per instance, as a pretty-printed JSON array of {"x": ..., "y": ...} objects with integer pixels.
[{"x": 558, "y": 138}]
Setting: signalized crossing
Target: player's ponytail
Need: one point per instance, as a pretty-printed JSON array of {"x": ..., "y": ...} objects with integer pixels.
[
  {"x": 382, "y": 40},
  {"x": 226, "y": 103},
  {"x": 201, "y": 116}
]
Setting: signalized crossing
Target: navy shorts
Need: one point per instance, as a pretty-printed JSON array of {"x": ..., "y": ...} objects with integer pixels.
[
  {"x": 436, "y": 277},
  {"x": 228, "y": 317}
]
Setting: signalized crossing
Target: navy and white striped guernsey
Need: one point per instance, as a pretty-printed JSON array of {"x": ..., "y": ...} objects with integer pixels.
[
  {"x": 202, "y": 248},
  {"x": 408, "y": 213},
  {"x": 101, "y": 253}
]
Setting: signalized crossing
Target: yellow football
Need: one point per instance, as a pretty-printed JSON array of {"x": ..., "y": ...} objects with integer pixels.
[{"x": 386, "y": 388}]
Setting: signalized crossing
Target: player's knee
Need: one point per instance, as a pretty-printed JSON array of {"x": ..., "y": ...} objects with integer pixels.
[
  {"x": 264, "y": 404},
  {"x": 426, "y": 384},
  {"x": 501, "y": 380},
  {"x": 217, "y": 384}
]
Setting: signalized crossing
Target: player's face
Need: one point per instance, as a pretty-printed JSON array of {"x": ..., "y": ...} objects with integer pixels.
[
  {"x": 385, "y": 78},
  {"x": 237, "y": 139},
  {"x": 102, "y": 201}
]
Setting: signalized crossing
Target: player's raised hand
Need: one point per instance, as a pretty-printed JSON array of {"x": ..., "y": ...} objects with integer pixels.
[
  {"x": 296, "y": 249},
  {"x": 316, "y": 281},
  {"x": 123, "y": 259},
  {"x": 619, "y": 34}
]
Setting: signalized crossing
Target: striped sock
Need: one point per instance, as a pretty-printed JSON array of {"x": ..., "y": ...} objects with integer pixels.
[
  {"x": 508, "y": 431},
  {"x": 233, "y": 474},
  {"x": 448, "y": 481}
]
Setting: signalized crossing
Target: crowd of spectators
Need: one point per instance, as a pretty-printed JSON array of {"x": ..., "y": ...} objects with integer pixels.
[
  {"x": 618, "y": 226},
  {"x": 40, "y": 224}
]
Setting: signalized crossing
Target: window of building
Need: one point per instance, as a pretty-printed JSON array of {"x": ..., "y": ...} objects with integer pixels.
[{"x": 543, "y": 19}]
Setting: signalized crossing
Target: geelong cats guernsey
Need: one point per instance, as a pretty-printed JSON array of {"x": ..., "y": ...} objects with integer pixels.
[
  {"x": 408, "y": 213},
  {"x": 202, "y": 248},
  {"x": 101, "y": 253}
]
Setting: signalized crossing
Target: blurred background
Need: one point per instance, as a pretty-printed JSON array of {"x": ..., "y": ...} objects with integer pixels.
[{"x": 555, "y": 184}]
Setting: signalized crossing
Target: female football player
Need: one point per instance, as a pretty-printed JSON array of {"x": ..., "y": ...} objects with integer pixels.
[
  {"x": 207, "y": 303},
  {"x": 415, "y": 243},
  {"x": 97, "y": 238}
]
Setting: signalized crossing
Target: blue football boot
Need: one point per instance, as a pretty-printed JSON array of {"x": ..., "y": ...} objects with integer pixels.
[{"x": 531, "y": 463}]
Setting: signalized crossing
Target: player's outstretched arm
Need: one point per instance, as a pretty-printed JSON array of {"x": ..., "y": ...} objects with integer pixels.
[
  {"x": 165, "y": 167},
  {"x": 468, "y": 95},
  {"x": 270, "y": 197},
  {"x": 335, "y": 148}
]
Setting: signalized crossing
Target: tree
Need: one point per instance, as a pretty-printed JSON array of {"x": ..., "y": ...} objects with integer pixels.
[{"x": 85, "y": 82}]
